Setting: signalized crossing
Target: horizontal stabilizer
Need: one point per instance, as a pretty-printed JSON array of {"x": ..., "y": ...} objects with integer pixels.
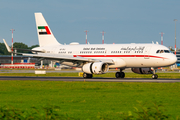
[{"x": 27, "y": 50}]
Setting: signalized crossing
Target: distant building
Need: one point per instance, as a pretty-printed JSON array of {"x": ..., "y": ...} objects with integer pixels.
[
  {"x": 178, "y": 58},
  {"x": 5, "y": 59}
]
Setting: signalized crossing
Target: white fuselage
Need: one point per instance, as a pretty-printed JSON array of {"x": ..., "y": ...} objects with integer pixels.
[{"x": 123, "y": 55}]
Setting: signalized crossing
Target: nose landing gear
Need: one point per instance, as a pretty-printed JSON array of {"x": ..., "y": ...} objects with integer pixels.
[{"x": 154, "y": 76}]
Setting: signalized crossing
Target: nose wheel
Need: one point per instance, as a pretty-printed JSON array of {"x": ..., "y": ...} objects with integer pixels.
[
  {"x": 154, "y": 76},
  {"x": 120, "y": 74}
]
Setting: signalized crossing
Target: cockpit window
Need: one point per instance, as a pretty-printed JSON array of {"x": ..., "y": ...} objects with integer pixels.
[
  {"x": 163, "y": 51},
  {"x": 166, "y": 51},
  {"x": 157, "y": 51}
]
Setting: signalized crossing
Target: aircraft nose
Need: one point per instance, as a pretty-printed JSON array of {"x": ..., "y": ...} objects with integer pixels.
[{"x": 173, "y": 59}]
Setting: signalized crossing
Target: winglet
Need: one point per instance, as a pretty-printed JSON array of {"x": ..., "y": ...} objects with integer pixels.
[{"x": 8, "y": 48}]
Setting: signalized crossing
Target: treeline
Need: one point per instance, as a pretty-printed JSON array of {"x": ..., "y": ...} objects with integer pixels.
[{"x": 3, "y": 50}]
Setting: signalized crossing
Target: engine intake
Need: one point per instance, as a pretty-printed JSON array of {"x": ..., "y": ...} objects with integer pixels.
[
  {"x": 95, "y": 68},
  {"x": 142, "y": 70}
]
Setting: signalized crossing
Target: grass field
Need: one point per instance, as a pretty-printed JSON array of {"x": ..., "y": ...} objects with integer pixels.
[{"x": 90, "y": 100}]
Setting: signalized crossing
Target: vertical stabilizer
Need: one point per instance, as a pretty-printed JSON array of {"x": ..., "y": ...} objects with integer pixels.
[{"x": 45, "y": 35}]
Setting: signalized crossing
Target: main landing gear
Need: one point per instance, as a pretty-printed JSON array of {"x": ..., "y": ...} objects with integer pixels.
[
  {"x": 154, "y": 76},
  {"x": 85, "y": 75},
  {"x": 120, "y": 74}
]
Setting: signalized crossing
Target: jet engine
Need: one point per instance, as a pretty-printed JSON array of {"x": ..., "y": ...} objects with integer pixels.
[
  {"x": 142, "y": 70},
  {"x": 95, "y": 68}
]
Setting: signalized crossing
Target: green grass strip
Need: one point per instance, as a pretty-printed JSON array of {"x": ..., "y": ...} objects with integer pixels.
[{"x": 90, "y": 100}]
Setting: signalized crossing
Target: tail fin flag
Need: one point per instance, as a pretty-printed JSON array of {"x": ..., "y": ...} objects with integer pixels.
[{"x": 45, "y": 35}]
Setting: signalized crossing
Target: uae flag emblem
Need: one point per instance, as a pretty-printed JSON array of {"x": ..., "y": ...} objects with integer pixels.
[{"x": 43, "y": 30}]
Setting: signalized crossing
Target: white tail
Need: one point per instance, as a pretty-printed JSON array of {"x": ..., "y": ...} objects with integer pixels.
[{"x": 45, "y": 35}]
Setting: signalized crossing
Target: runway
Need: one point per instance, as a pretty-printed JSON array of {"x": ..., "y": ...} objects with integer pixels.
[{"x": 90, "y": 80}]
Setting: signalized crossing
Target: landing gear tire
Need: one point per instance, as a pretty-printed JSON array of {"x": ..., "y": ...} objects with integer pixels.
[
  {"x": 85, "y": 75},
  {"x": 117, "y": 74},
  {"x": 90, "y": 75},
  {"x": 123, "y": 74},
  {"x": 120, "y": 74},
  {"x": 154, "y": 76}
]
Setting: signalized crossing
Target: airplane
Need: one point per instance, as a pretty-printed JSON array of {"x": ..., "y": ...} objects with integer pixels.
[{"x": 99, "y": 58}]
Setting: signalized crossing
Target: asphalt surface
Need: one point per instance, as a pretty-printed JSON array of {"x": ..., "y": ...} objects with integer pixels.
[{"x": 90, "y": 80}]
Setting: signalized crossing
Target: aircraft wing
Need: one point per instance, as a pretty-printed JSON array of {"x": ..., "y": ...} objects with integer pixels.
[{"x": 67, "y": 58}]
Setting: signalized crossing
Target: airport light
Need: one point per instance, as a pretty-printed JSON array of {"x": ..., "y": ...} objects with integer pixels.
[
  {"x": 12, "y": 46},
  {"x": 161, "y": 37},
  {"x": 102, "y": 36},
  {"x": 175, "y": 36},
  {"x": 86, "y": 35}
]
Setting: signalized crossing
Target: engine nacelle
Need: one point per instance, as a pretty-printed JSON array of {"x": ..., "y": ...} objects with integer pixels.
[
  {"x": 142, "y": 70},
  {"x": 95, "y": 68}
]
